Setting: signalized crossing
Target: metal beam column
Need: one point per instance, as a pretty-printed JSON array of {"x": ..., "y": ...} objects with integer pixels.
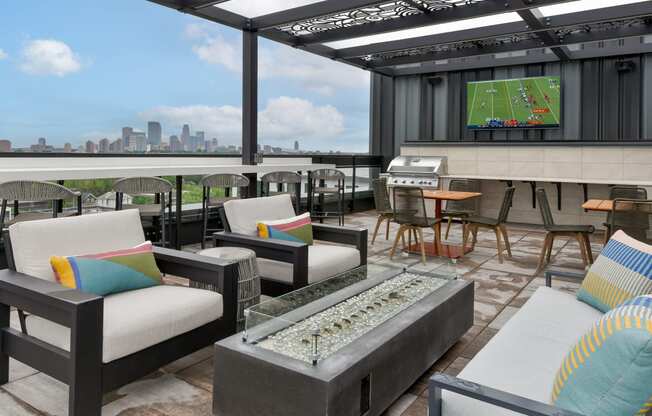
[{"x": 250, "y": 105}]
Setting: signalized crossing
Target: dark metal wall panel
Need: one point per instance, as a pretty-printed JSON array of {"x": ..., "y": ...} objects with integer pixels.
[
  {"x": 440, "y": 110},
  {"x": 381, "y": 120},
  {"x": 646, "y": 92},
  {"x": 571, "y": 76},
  {"x": 631, "y": 101}
]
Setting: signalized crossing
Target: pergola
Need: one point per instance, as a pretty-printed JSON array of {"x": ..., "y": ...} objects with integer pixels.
[{"x": 425, "y": 36}]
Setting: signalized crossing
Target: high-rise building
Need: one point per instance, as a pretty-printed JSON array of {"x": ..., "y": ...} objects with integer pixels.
[
  {"x": 91, "y": 147},
  {"x": 104, "y": 145},
  {"x": 175, "y": 144},
  {"x": 137, "y": 142},
  {"x": 5, "y": 146},
  {"x": 41, "y": 146},
  {"x": 296, "y": 145},
  {"x": 267, "y": 149},
  {"x": 154, "y": 133},
  {"x": 67, "y": 148},
  {"x": 126, "y": 132},
  {"x": 185, "y": 135},
  {"x": 116, "y": 146}
]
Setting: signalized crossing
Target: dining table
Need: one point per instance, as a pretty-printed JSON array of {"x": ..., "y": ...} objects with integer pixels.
[{"x": 452, "y": 251}]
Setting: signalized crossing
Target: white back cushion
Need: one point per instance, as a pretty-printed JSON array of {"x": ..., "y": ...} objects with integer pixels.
[
  {"x": 34, "y": 242},
  {"x": 243, "y": 214}
]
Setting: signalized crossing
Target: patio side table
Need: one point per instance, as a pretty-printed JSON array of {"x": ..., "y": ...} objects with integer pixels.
[{"x": 248, "y": 281}]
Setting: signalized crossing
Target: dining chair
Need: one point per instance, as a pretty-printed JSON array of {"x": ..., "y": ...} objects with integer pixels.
[
  {"x": 286, "y": 183},
  {"x": 473, "y": 223},
  {"x": 621, "y": 192},
  {"x": 409, "y": 206},
  {"x": 147, "y": 186},
  {"x": 19, "y": 192},
  {"x": 461, "y": 209},
  {"x": 579, "y": 232},
  {"x": 634, "y": 217},
  {"x": 225, "y": 182},
  {"x": 328, "y": 182},
  {"x": 383, "y": 206}
]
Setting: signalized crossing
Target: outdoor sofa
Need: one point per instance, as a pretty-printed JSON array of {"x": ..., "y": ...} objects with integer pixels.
[
  {"x": 96, "y": 344},
  {"x": 513, "y": 374},
  {"x": 287, "y": 265}
]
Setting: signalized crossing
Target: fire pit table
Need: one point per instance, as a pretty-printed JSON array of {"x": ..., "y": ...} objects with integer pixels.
[{"x": 349, "y": 345}]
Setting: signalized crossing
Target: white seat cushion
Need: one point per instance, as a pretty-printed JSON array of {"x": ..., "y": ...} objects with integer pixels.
[
  {"x": 525, "y": 355},
  {"x": 138, "y": 319},
  {"x": 34, "y": 242},
  {"x": 324, "y": 261},
  {"x": 244, "y": 214}
]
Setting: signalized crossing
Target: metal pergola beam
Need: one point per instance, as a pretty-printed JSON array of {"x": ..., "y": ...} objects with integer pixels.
[
  {"x": 483, "y": 8},
  {"x": 534, "y": 20},
  {"x": 576, "y": 38},
  {"x": 488, "y": 32}
]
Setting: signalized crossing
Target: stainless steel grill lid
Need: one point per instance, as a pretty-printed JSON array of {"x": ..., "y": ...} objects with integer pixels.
[{"x": 418, "y": 171}]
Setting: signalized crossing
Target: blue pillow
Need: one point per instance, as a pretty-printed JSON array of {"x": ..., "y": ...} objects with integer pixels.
[{"x": 609, "y": 371}]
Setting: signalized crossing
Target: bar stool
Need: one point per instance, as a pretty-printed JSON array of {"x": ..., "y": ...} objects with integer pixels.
[
  {"x": 461, "y": 209},
  {"x": 35, "y": 192},
  {"x": 226, "y": 182},
  {"x": 148, "y": 186},
  {"x": 321, "y": 189},
  {"x": 286, "y": 183}
]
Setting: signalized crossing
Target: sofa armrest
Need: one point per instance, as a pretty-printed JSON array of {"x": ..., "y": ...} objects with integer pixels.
[
  {"x": 344, "y": 235},
  {"x": 219, "y": 273},
  {"x": 273, "y": 249},
  {"x": 559, "y": 273},
  {"x": 509, "y": 401}
]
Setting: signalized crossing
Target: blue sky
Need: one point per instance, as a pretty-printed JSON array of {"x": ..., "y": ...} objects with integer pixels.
[{"x": 81, "y": 69}]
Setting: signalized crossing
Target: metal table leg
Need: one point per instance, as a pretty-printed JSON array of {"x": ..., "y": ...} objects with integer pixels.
[{"x": 179, "y": 180}]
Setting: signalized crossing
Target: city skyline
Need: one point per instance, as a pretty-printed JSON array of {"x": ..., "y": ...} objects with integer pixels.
[{"x": 73, "y": 81}]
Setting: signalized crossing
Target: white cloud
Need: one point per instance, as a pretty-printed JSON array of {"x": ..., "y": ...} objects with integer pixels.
[
  {"x": 284, "y": 119},
  {"x": 49, "y": 57},
  {"x": 3, "y": 55},
  {"x": 315, "y": 73}
]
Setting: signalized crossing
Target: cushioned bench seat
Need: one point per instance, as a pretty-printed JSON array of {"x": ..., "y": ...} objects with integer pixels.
[
  {"x": 524, "y": 356},
  {"x": 139, "y": 319}
]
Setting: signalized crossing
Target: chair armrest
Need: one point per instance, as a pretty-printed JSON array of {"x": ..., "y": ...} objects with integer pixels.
[
  {"x": 551, "y": 272},
  {"x": 273, "y": 249},
  {"x": 518, "y": 404},
  {"x": 220, "y": 274},
  {"x": 344, "y": 235},
  {"x": 43, "y": 298}
]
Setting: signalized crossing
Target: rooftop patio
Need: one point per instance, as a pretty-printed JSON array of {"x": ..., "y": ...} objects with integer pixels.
[{"x": 184, "y": 387}]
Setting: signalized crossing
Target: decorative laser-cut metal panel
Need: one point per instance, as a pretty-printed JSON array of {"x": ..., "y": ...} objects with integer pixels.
[
  {"x": 484, "y": 44},
  {"x": 370, "y": 14},
  {"x": 437, "y": 5}
]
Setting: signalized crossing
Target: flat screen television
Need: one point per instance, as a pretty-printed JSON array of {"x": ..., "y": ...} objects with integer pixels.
[{"x": 523, "y": 103}]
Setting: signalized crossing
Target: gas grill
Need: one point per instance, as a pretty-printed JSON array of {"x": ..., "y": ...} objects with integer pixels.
[{"x": 417, "y": 171}]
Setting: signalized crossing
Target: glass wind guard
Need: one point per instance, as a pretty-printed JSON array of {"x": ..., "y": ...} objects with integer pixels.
[{"x": 314, "y": 322}]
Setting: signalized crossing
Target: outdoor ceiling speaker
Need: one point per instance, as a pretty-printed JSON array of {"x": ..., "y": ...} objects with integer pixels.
[
  {"x": 434, "y": 80},
  {"x": 625, "y": 66}
]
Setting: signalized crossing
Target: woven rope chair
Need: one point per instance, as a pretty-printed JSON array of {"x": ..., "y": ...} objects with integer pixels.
[
  {"x": 473, "y": 223},
  {"x": 35, "y": 191},
  {"x": 139, "y": 186},
  {"x": 461, "y": 209},
  {"x": 286, "y": 183},
  {"x": 226, "y": 182},
  {"x": 634, "y": 217},
  {"x": 328, "y": 182},
  {"x": 383, "y": 206},
  {"x": 622, "y": 192}
]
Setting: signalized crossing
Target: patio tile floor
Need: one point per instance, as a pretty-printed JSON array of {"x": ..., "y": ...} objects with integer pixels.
[{"x": 184, "y": 387}]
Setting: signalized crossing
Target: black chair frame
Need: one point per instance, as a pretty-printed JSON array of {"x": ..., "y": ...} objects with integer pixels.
[
  {"x": 82, "y": 368},
  {"x": 289, "y": 251}
]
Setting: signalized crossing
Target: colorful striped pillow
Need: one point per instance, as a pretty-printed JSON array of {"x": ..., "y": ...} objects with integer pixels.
[
  {"x": 298, "y": 229},
  {"x": 609, "y": 371},
  {"x": 106, "y": 273},
  {"x": 621, "y": 272}
]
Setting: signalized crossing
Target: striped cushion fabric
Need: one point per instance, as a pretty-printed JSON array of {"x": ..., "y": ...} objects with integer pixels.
[
  {"x": 107, "y": 273},
  {"x": 609, "y": 371},
  {"x": 621, "y": 272},
  {"x": 297, "y": 229}
]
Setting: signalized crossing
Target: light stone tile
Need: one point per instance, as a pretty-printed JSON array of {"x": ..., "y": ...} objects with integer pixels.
[
  {"x": 457, "y": 154},
  {"x": 504, "y": 316},
  {"x": 638, "y": 171},
  {"x": 562, "y": 170},
  {"x": 462, "y": 167},
  {"x": 11, "y": 407},
  {"x": 563, "y": 154},
  {"x": 602, "y": 171},
  {"x": 526, "y": 154},
  {"x": 493, "y": 154},
  {"x": 520, "y": 263},
  {"x": 500, "y": 168},
  {"x": 526, "y": 169},
  {"x": 637, "y": 155},
  {"x": 591, "y": 154},
  {"x": 42, "y": 392}
]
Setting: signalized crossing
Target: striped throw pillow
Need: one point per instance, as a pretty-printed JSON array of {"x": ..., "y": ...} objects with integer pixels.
[
  {"x": 107, "y": 273},
  {"x": 609, "y": 371},
  {"x": 621, "y": 272},
  {"x": 297, "y": 229}
]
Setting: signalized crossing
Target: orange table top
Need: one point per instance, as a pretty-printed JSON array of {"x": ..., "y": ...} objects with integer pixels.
[
  {"x": 450, "y": 195},
  {"x": 604, "y": 205}
]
